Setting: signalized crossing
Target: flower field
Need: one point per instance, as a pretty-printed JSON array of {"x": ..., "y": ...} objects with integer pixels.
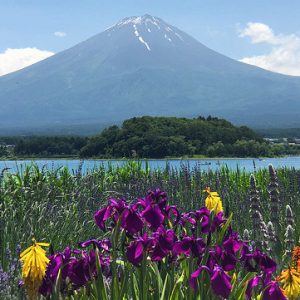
[{"x": 135, "y": 233}]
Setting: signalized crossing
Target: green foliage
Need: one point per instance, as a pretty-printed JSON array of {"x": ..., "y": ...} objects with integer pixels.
[
  {"x": 152, "y": 137},
  {"x": 158, "y": 137},
  {"x": 45, "y": 145}
]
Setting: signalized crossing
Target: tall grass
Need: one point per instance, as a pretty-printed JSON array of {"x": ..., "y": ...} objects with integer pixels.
[{"x": 57, "y": 206}]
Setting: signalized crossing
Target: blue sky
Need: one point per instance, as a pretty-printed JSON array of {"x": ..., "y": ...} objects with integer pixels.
[{"x": 230, "y": 27}]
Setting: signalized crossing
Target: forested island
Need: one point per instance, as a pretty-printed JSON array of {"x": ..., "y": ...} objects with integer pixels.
[{"x": 152, "y": 137}]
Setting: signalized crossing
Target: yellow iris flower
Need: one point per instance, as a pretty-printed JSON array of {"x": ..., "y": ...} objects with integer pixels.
[
  {"x": 34, "y": 266},
  {"x": 290, "y": 279},
  {"x": 213, "y": 201}
]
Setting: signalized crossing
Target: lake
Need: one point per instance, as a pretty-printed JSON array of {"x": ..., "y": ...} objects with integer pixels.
[{"x": 205, "y": 164}]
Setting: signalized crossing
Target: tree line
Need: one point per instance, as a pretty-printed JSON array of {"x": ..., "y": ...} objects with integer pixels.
[{"x": 154, "y": 137}]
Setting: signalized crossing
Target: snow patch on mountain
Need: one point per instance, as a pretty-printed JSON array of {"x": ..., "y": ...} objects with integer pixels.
[
  {"x": 179, "y": 36},
  {"x": 140, "y": 38},
  {"x": 167, "y": 38}
]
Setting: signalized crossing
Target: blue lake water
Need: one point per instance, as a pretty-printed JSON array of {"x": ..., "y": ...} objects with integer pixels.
[{"x": 205, "y": 164}]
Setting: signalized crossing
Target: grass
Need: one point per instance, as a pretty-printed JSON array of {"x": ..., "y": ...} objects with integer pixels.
[{"x": 57, "y": 206}]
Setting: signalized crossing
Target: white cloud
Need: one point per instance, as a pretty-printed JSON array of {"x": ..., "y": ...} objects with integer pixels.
[
  {"x": 60, "y": 33},
  {"x": 284, "y": 56},
  {"x": 15, "y": 59}
]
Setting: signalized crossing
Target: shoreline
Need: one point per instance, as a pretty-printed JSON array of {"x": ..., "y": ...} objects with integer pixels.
[{"x": 56, "y": 158}]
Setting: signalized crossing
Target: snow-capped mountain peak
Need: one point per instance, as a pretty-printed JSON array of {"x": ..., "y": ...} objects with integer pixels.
[
  {"x": 148, "y": 28},
  {"x": 144, "y": 66}
]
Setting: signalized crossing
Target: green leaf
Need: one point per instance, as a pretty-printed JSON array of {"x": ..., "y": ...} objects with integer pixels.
[
  {"x": 164, "y": 294},
  {"x": 176, "y": 289}
]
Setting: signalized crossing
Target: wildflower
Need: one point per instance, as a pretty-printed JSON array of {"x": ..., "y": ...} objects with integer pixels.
[
  {"x": 259, "y": 261},
  {"x": 153, "y": 216},
  {"x": 251, "y": 284},
  {"x": 273, "y": 292},
  {"x": 136, "y": 248},
  {"x": 221, "y": 282},
  {"x": 213, "y": 201},
  {"x": 101, "y": 244},
  {"x": 34, "y": 267},
  {"x": 131, "y": 221},
  {"x": 196, "y": 274},
  {"x": 290, "y": 279},
  {"x": 296, "y": 258}
]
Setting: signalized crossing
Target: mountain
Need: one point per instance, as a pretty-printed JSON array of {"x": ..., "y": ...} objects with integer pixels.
[{"x": 144, "y": 66}]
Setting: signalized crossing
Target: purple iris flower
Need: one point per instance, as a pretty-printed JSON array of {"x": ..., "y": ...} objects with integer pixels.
[
  {"x": 221, "y": 282},
  {"x": 208, "y": 226},
  {"x": 163, "y": 243},
  {"x": 187, "y": 218},
  {"x": 166, "y": 238},
  {"x": 217, "y": 221},
  {"x": 135, "y": 249},
  {"x": 134, "y": 252},
  {"x": 82, "y": 270},
  {"x": 153, "y": 216},
  {"x": 53, "y": 268},
  {"x": 259, "y": 261},
  {"x": 79, "y": 271},
  {"x": 58, "y": 261},
  {"x": 252, "y": 283},
  {"x": 131, "y": 221},
  {"x": 196, "y": 274},
  {"x": 101, "y": 244},
  {"x": 232, "y": 244},
  {"x": 183, "y": 246},
  {"x": 101, "y": 216},
  {"x": 157, "y": 196},
  {"x": 158, "y": 253},
  {"x": 198, "y": 247},
  {"x": 220, "y": 256},
  {"x": 114, "y": 210},
  {"x": 172, "y": 210},
  {"x": 273, "y": 292},
  {"x": 203, "y": 215},
  {"x": 189, "y": 245}
]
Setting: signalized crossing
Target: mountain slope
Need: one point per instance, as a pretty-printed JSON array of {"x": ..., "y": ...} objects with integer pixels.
[{"x": 144, "y": 66}]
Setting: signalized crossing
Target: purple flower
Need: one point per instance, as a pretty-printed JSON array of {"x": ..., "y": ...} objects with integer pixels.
[
  {"x": 157, "y": 196},
  {"x": 203, "y": 215},
  {"x": 220, "y": 282},
  {"x": 135, "y": 249},
  {"x": 131, "y": 221},
  {"x": 259, "y": 261},
  {"x": 153, "y": 216},
  {"x": 134, "y": 252},
  {"x": 172, "y": 210},
  {"x": 50, "y": 278},
  {"x": 101, "y": 216},
  {"x": 158, "y": 253},
  {"x": 189, "y": 245},
  {"x": 163, "y": 241},
  {"x": 273, "y": 292},
  {"x": 114, "y": 210},
  {"x": 195, "y": 275},
  {"x": 253, "y": 282},
  {"x": 183, "y": 246},
  {"x": 101, "y": 244},
  {"x": 220, "y": 256},
  {"x": 187, "y": 218},
  {"x": 232, "y": 244}
]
